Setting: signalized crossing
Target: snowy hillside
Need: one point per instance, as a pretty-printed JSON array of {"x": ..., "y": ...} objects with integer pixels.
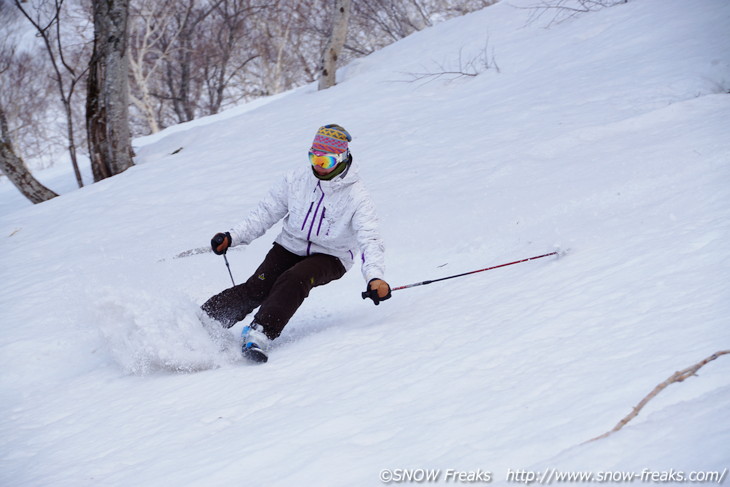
[{"x": 608, "y": 134}]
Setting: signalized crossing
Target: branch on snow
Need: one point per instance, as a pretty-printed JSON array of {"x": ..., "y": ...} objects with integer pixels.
[
  {"x": 480, "y": 63},
  {"x": 678, "y": 376}
]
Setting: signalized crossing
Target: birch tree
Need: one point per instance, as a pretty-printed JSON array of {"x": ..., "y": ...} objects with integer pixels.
[
  {"x": 107, "y": 97},
  {"x": 149, "y": 23},
  {"x": 12, "y": 166},
  {"x": 328, "y": 65}
]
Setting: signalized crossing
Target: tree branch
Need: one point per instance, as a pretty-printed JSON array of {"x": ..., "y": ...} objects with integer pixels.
[{"x": 678, "y": 376}]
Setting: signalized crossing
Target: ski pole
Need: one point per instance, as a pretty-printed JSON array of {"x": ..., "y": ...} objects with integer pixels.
[
  {"x": 423, "y": 283},
  {"x": 229, "y": 269}
]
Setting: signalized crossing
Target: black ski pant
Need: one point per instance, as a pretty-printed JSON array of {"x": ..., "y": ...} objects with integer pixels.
[{"x": 278, "y": 287}]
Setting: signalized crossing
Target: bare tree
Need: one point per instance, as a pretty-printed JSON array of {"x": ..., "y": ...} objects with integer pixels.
[
  {"x": 229, "y": 55},
  {"x": 182, "y": 82},
  {"x": 26, "y": 92},
  {"x": 290, "y": 37},
  {"x": 328, "y": 64},
  {"x": 14, "y": 168},
  {"x": 394, "y": 20},
  {"x": 377, "y": 23},
  {"x": 107, "y": 98},
  {"x": 149, "y": 22},
  {"x": 274, "y": 40},
  {"x": 67, "y": 76},
  {"x": 28, "y": 99}
]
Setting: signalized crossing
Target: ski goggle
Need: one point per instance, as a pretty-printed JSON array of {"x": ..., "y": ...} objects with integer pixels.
[{"x": 325, "y": 160}]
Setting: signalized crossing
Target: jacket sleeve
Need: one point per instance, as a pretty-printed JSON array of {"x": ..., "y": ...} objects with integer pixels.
[
  {"x": 269, "y": 210},
  {"x": 365, "y": 223}
]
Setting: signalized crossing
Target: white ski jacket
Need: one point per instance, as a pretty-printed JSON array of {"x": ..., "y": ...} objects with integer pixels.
[{"x": 335, "y": 217}]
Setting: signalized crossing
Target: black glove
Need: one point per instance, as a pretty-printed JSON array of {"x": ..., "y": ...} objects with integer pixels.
[
  {"x": 378, "y": 290},
  {"x": 220, "y": 243}
]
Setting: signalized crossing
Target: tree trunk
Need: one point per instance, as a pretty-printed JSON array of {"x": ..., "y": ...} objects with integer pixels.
[
  {"x": 13, "y": 167},
  {"x": 107, "y": 100},
  {"x": 328, "y": 66}
]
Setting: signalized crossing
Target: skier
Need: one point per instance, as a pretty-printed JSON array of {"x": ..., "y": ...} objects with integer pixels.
[{"x": 328, "y": 217}]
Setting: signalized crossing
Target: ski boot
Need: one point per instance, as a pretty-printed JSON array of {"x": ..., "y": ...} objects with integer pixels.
[{"x": 255, "y": 343}]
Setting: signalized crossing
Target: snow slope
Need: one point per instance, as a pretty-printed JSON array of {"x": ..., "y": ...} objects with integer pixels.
[{"x": 607, "y": 134}]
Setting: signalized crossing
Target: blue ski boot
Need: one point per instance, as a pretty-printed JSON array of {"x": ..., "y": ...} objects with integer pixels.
[{"x": 255, "y": 343}]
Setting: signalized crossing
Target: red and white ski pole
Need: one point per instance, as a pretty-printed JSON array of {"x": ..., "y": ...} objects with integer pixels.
[{"x": 423, "y": 283}]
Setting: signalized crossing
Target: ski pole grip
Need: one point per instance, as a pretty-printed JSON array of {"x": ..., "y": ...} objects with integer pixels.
[
  {"x": 372, "y": 294},
  {"x": 369, "y": 293}
]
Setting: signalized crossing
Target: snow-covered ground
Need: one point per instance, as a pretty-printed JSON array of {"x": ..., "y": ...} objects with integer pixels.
[{"x": 608, "y": 134}]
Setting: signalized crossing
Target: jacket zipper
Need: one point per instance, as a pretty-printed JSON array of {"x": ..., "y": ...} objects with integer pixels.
[
  {"x": 307, "y": 217},
  {"x": 314, "y": 218}
]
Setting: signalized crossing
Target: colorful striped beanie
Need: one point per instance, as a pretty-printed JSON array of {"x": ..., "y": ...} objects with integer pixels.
[{"x": 331, "y": 139}]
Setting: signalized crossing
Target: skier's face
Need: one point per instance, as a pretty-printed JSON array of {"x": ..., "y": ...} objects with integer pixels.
[{"x": 322, "y": 171}]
